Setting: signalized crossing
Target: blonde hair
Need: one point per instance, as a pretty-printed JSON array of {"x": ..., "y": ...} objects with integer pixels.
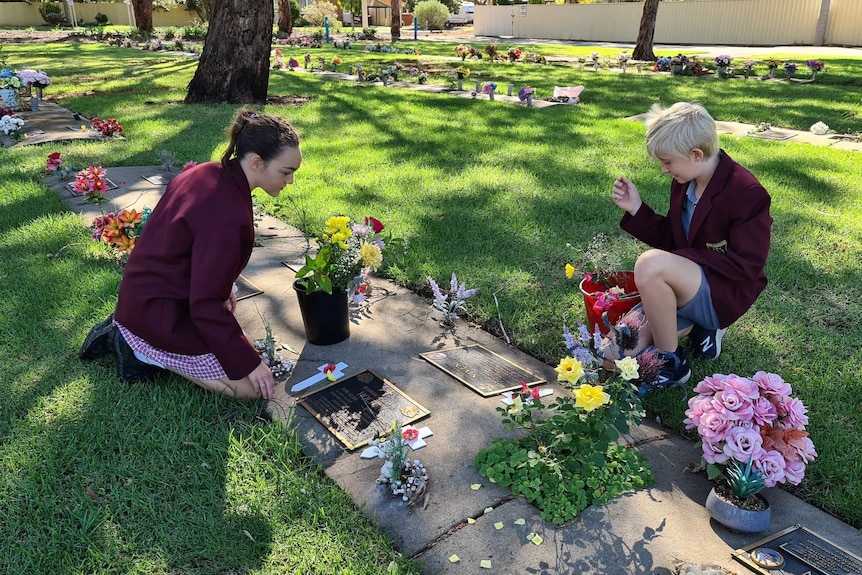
[{"x": 677, "y": 130}]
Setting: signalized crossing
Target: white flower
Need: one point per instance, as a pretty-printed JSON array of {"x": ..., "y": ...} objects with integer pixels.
[
  {"x": 628, "y": 367},
  {"x": 820, "y": 129},
  {"x": 10, "y": 124}
]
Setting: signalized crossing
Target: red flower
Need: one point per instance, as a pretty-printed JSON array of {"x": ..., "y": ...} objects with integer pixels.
[
  {"x": 375, "y": 224},
  {"x": 329, "y": 368},
  {"x": 410, "y": 435}
]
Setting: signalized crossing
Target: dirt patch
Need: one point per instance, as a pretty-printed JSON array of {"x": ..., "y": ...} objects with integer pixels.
[{"x": 38, "y": 36}]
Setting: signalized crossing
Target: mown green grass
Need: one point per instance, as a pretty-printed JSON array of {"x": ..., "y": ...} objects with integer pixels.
[{"x": 491, "y": 191}]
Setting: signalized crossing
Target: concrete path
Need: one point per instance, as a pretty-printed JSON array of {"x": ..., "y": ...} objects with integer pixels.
[{"x": 655, "y": 530}]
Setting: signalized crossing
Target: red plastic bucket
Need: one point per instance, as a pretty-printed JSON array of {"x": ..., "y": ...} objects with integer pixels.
[{"x": 619, "y": 308}]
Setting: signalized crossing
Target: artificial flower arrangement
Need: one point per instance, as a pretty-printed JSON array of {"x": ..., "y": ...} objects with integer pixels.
[
  {"x": 569, "y": 457},
  {"x": 623, "y": 57},
  {"x": 120, "y": 230},
  {"x": 335, "y": 61},
  {"x": 93, "y": 183},
  {"x": 514, "y": 54},
  {"x": 278, "y": 63},
  {"x": 9, "y": 80},
  {"x": 35, "y": 78},
  {"x": 462, "y": 72},
  {"x": 348, "y": 252},
  {"x": 789, "y": 69},
  {"x": 723, "y": 61},
  {"x": 56, "y": 165},
  {"x": 11, "y": 125},
  {"x": 449, "y": 304},
  {"x": 524, "y": 92},
  {"x": 489, "y": 88},
  {"x": 814, "y": 65},
  {"x": 108, "y": 127},
  {"x": 752, "y": 434},
  {"x": 820, "y": 129}
]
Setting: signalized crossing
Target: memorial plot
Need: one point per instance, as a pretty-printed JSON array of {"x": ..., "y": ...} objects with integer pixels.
[
  {"x": 481, "y": 369},
  {"x": 358, "y": 408}
]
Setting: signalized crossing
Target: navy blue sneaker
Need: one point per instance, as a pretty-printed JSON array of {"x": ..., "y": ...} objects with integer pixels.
[
  {"x": 674, "y": 371},
  {"x": 706, "y": 343},
  {"x": 130, "y": 368},
  {"x": 100, "y": 341}
]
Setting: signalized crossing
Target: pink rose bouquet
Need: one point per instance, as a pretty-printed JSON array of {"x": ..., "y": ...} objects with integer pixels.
[{"x": 752, "y": 430}]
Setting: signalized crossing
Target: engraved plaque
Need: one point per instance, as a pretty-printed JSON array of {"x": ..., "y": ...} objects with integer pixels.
[
  {"x": 361, "y": 406},
  {"x": 800, "y": 552},
  {"x": 481, "y": 369}
]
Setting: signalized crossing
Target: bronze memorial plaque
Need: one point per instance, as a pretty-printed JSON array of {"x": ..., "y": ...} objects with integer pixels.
[
  {"x": 798, "y": 551},
  {"x": 361, "y": 406},
  {"x": 481, "y": 369}
]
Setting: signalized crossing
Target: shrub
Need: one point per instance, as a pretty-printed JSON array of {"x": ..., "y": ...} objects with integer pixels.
[
  {"x": 102, "y": 19},
  {"x": 319, "y": 10},
  {"x": 194, "y": 32},
  {"x": 170, "y": 33},
  {"x": 432, "y": 14}
]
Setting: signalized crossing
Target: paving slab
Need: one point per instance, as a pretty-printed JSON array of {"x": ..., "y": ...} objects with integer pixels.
[
  {"x": 649, "y": 531},
  {"x": 52, "y": 123}
]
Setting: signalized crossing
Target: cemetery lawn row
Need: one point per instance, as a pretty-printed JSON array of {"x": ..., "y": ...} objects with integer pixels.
[{"x": 492, "y": 192}]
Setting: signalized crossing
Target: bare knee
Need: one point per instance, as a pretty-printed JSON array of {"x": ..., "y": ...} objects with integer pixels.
[{"x": 650, "y": 266}]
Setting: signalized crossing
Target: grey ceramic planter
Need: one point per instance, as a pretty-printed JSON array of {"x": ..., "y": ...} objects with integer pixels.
[{"x": 736, "y": 518}]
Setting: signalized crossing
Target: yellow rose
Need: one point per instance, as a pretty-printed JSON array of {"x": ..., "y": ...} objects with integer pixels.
[
  {"x": 570, "y": 271},
  {"x": 569, "y": 370},
  {"x": 628, "y": 367},
  {"x": 370, "y": 255},
  {"x": 589, "y": 397}
]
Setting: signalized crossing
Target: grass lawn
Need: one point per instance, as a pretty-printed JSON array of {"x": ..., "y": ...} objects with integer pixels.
[{"x": 100, "y": 477}]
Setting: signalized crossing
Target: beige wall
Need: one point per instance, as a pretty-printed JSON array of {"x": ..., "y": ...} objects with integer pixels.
[
  {"x": 22, "y": 14},
  {"x": 845, "y": 23},
  {"x": 741, "y": 22}
]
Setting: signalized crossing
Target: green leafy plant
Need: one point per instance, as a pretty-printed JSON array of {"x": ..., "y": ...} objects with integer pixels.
[{"x": 569, "y": 458}]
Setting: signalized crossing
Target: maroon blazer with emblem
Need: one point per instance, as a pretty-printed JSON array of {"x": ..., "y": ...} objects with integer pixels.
[
  {"x": 729, "y": 235},
  {"x": 194, "y": 246}
]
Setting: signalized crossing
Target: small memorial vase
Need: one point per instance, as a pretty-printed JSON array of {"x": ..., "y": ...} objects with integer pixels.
[
  {"x": 639, "y": 66},
  {"x": 623, "y": 66},
  {"x": 10, "y": 97},
  {"x": 509, "y": 89},
  {"x": 39, "y": 92},
  {"x": 529, "y": 100},
  {"x": 736, "y": 518},
  {"x": 34, "y": 104},
  {"x": 721, "y": 72},
  {"x": 491, "y": 95},
  {"x": 460, "y": 84},
  {"x": 326, "y": 317}
]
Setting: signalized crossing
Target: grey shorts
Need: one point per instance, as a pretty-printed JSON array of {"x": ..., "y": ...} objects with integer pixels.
[{"x": 698, "y": 311}]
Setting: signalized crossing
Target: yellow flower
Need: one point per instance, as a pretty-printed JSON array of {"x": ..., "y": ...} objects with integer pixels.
[
  {"x": 569, "y": 370},
  {"x": 370, "y": 255},
  {"x": 570, "y": 271},
  {"x": 628, "y": 367},
  {"x": 590, "y": 397},
  {"x": 336, "y": 230}
]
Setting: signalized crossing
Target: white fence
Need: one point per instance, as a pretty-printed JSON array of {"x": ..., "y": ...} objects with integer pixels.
[{"x": 742, "y": 22}]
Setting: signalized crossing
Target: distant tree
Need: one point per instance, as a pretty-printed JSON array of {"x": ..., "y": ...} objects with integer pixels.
[
  {"x": 395, "y": 27},
  {"x": 234, "y": 64},
  {"x": 143, "y": 14},
  {"x": 643, "y": 47},
  {"x": 285, "y": 16}
]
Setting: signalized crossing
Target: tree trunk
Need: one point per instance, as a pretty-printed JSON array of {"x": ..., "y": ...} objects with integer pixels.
[
  {"x": 643, "y": 48},
  {"x": 143, "y": 14},
  {"x": 396, "y": 20},
  {"x": 285, "y": 17},
  {"x": 234, "y": 65}
]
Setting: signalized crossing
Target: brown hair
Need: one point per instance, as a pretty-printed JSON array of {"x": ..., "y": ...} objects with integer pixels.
[{"x": 262, "y": 134}]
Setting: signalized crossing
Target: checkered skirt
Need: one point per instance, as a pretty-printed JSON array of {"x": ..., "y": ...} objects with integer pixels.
[{"x": 201, "y": 367}]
